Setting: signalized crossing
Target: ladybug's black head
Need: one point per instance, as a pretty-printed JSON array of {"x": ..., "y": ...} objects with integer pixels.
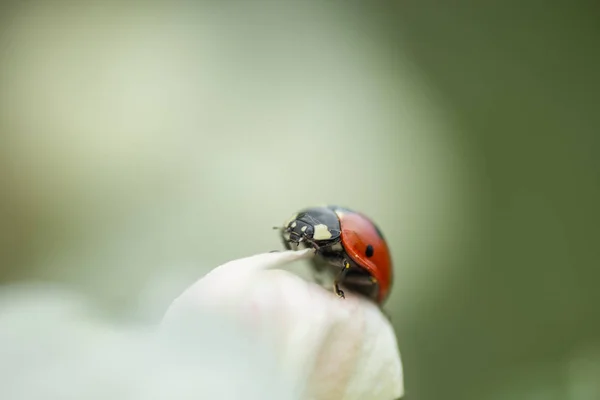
[
  {"x": 299, "y": 230},
  {"x": 314, "y": 227}
]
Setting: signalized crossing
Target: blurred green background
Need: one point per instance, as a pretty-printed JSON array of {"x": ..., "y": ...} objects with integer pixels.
[{"x": 144, "y": 144}]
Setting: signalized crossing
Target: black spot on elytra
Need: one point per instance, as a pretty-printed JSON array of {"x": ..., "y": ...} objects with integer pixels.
[{"x": 369, "y": 252}]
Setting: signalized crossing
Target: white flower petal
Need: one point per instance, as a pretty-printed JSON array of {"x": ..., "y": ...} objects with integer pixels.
[
  {"x": 335, "y": 348},
  {"x": 52, "y": 347}
]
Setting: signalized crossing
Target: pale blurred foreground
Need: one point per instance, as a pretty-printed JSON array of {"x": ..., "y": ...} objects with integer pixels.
[
  {"x": 246, "y": 329},
  {"x": 54, "y": 345}
]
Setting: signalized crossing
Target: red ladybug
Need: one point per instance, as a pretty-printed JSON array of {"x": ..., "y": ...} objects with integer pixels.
[{"x": 347, "y": 243}]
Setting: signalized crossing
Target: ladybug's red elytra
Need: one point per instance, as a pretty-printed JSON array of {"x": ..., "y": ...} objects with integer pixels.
[{"x": 347, "y": 243}]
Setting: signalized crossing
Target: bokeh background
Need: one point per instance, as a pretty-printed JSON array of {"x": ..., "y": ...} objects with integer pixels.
[{"x": 144, "y": 143}]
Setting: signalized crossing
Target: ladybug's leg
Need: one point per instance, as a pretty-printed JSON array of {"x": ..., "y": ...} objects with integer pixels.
[
  {"x": 340, "y": 278},
  {"x": 312, "y": 243},
  {"x": 287, "y": 243},
  {"x": 364, "y": 284},
  {"x": 324, "y": 262},
  {"x": 292, "y": 244}
]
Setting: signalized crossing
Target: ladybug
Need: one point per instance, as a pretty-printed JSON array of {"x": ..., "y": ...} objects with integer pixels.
[{"x": 348, "y": 244}]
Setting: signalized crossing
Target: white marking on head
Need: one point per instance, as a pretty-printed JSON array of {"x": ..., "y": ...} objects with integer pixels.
[
  {"x": 321, "y": 232},
  {"x": 303, "y": 229},
  {"x": 294, "y": 224},
  {"x": 289, "y": 221}
]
